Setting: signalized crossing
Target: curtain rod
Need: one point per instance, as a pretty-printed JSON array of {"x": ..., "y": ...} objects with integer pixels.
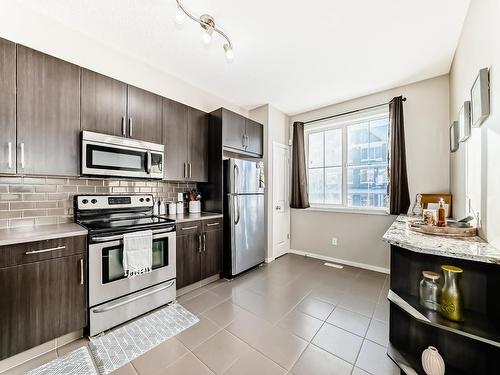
[{"x": 349, "y": 112}]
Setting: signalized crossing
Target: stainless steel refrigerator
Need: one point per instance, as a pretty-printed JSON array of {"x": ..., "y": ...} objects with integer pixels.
[{"x": 244, "y": 245}]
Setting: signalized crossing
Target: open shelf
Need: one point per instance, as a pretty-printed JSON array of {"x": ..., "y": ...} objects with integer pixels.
[{"x": 475, "y": 326}]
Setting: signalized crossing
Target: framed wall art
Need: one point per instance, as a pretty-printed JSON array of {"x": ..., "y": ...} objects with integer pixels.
[
  {"x": 464, "y": 122},
  {"x": 480, "y": 98},
  {"x": 454, "y": 136}
]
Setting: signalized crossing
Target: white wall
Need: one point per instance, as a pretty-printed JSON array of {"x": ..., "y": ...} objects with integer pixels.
[
  {"x": 275, "y": 130},
  {"x": 41, "y": 33},
  {"x": 427, "y": 149},
  {"x": 478, "y": 48}
]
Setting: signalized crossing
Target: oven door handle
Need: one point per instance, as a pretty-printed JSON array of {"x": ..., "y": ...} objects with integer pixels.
[
  {"x": 118, "y": 304},
  {"x": 120, "y": 236}
]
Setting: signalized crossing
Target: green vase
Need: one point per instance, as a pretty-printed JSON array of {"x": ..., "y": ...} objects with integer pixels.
[{"x": 451, "y": 295}]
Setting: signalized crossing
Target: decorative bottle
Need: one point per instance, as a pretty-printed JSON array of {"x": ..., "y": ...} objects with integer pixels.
[
  {"x": 417, "y": 207},
  {"x": 451, "y": 295},
  {"x": 441, "y": 214},
  {"x": 430, "y": 291}
]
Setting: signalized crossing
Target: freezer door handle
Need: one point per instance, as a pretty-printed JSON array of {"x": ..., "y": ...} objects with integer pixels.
[{"x": 236, "y": 179}]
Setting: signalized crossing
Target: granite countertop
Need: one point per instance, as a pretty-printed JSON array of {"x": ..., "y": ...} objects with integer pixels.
[
  {"x": 470, "y": 248},
  {"x": 12, "y": 236},
  {"x": 193, "y": 217}
]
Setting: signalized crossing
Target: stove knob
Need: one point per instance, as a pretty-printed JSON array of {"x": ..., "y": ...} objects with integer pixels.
[
  {"x": 141, "y": 199},
  {"x": 85, "y": 201},
  {"x": 94, "y": 201},
  {"x": 148, "y": 199}
]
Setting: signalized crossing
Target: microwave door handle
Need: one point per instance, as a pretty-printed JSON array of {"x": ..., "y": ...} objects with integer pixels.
[{"x": 148, "y": 162}]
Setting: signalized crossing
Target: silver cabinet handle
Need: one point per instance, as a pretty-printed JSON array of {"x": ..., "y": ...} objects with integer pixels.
[
  {"x": 189, "y": 228},
  {"x": 81, "y": 272},
  {"x": 190, "y": 170},
  {"x": 124, "y": 127},
  {"x": 185, "y": 170},
  {"x": 130, "y": 124},
  {"x": 45, "y": 250},
  {"x": 22, "y": 155},
  {"x": 204, "y": 242},
  {"x": 244, "y": 141},
  {"x": 246, "y": 145},
  {"x": 10, "y": 155},
  {"x": 199, "y": 243},
  {"x": 212, "y": 224},
  {"x": 124, "y": 302}
]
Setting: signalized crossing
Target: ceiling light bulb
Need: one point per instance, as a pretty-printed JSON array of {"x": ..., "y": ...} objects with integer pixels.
[
  {"x": 206, "y": 36},
  {"x": 179, "y": 16},
  {"x": 229, "y": 52}
]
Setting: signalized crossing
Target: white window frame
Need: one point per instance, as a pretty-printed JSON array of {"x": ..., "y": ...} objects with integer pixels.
[{"x": 342, "y": 122}]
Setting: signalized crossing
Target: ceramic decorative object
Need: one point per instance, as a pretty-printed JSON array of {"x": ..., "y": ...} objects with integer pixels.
[
  {"x": 451, "y": 295},
  {"x": 430, "y": 290},
  {"x": 194, "y": 207},
  {"x": 432, "y": 362}
]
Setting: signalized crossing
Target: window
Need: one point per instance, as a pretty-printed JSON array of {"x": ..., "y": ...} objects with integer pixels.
[{"x": 347, "y": 161}]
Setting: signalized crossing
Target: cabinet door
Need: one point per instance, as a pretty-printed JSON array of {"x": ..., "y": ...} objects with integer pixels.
[
  {"x": 48, "y": 114},
  {"x": 144, "y": 115},
  {"x": 198, "y": 145},
  {"x": 7, "y": 106},
  {"x": 40, "y": 301},
  {"x": 188, "y": 259},
  {"x": 254, "y": 132},
  {"x": 104, "y": 104},
  {"x": 175, "y": 139},
  {"x": 233, "y": 130},
  {"x": 211, "y": 259}
]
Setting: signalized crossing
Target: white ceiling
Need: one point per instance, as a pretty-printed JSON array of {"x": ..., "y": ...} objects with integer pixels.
[{"x": 295, "y": 55}]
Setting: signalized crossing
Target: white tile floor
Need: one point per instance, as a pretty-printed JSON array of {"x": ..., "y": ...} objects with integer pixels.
[{"x": 292, "y": 316}]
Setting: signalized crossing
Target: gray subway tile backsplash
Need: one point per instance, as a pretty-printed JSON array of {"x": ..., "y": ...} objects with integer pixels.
[{"x": 30, "y": 200}]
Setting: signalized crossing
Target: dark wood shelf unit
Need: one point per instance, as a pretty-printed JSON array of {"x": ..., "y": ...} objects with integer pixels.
[{"x": 468, "y": 347}]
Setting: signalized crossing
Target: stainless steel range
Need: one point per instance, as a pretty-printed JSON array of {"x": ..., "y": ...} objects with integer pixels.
[{"x": 114, "y": 298}]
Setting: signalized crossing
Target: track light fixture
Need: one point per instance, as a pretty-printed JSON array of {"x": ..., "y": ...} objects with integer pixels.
[{"x": 207, "y": 23}]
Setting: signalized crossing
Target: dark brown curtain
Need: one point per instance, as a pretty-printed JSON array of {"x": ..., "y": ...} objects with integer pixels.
[
  {"x": 300, "y": 192},
  {"x": 399, "y": 195}
]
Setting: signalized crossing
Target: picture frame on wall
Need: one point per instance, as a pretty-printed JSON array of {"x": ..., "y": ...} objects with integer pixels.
[
  {"x": 454, "y": 144},
  {"x": 464, "y": 122},
  {"x": 480, "y": 98}
]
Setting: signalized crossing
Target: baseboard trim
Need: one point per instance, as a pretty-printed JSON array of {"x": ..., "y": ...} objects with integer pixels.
[
  {"x": 269, "y": 260},
  {"x": 341, "y": 261}
]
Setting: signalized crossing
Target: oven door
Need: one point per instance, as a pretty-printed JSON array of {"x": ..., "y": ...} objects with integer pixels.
[{"x": 106, "y": 274}]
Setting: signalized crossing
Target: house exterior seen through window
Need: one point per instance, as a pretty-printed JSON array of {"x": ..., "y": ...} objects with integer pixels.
[{"x": 348, "y": 161}]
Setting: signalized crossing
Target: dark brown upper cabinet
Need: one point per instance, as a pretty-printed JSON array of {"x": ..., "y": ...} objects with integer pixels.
[
  {"x": 254, "y": 133},
  {"x": 7, "y": 106},
  {"x": 175, "y": 139},
  {"x": 113, "y": 107},
  {"x": 185, "y": 136},
  {"x": 104, "y": 104},
  {"x": 233, "y": 130},
  {"x": 144, "y": 115},
  {"x": 197, "y": 145},
  {"x": 240, "y": 134},
  {"x": 48, "y": 114}
]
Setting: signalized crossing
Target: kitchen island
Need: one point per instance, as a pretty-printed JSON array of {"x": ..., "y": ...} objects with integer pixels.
[{"x": 468, "y": 347}]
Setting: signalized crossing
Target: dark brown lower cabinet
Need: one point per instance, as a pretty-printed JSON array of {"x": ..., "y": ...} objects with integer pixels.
[
  {"x": 187, "y": 259},
  {"x": 41, "y": 300},
  {"x": 199, "y": 251}
]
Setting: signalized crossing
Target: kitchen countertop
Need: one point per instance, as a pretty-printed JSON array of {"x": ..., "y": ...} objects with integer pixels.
[
  {"x": 470, "y": 248},
  {"x": 193, "y": 217},
  {"x": 10, "y": 236}
]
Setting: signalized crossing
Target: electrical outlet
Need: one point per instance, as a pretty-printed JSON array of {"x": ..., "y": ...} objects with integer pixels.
[{"x": 334, "y": 241}]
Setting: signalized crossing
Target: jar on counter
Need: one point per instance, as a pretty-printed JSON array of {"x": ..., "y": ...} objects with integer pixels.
[{"x": 430, "y": 291}]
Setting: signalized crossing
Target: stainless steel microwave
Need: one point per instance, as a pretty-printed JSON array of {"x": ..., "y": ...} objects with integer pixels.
[{"x": 108, "y": 155}]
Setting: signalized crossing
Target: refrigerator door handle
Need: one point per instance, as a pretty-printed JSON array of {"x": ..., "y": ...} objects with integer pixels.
[
  {"x": 236, "y": 179},
  {"x": 237, "y": 209}
]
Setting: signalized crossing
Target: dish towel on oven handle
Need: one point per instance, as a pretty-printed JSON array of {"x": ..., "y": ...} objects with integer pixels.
[{"x": 137, "y": 253}]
